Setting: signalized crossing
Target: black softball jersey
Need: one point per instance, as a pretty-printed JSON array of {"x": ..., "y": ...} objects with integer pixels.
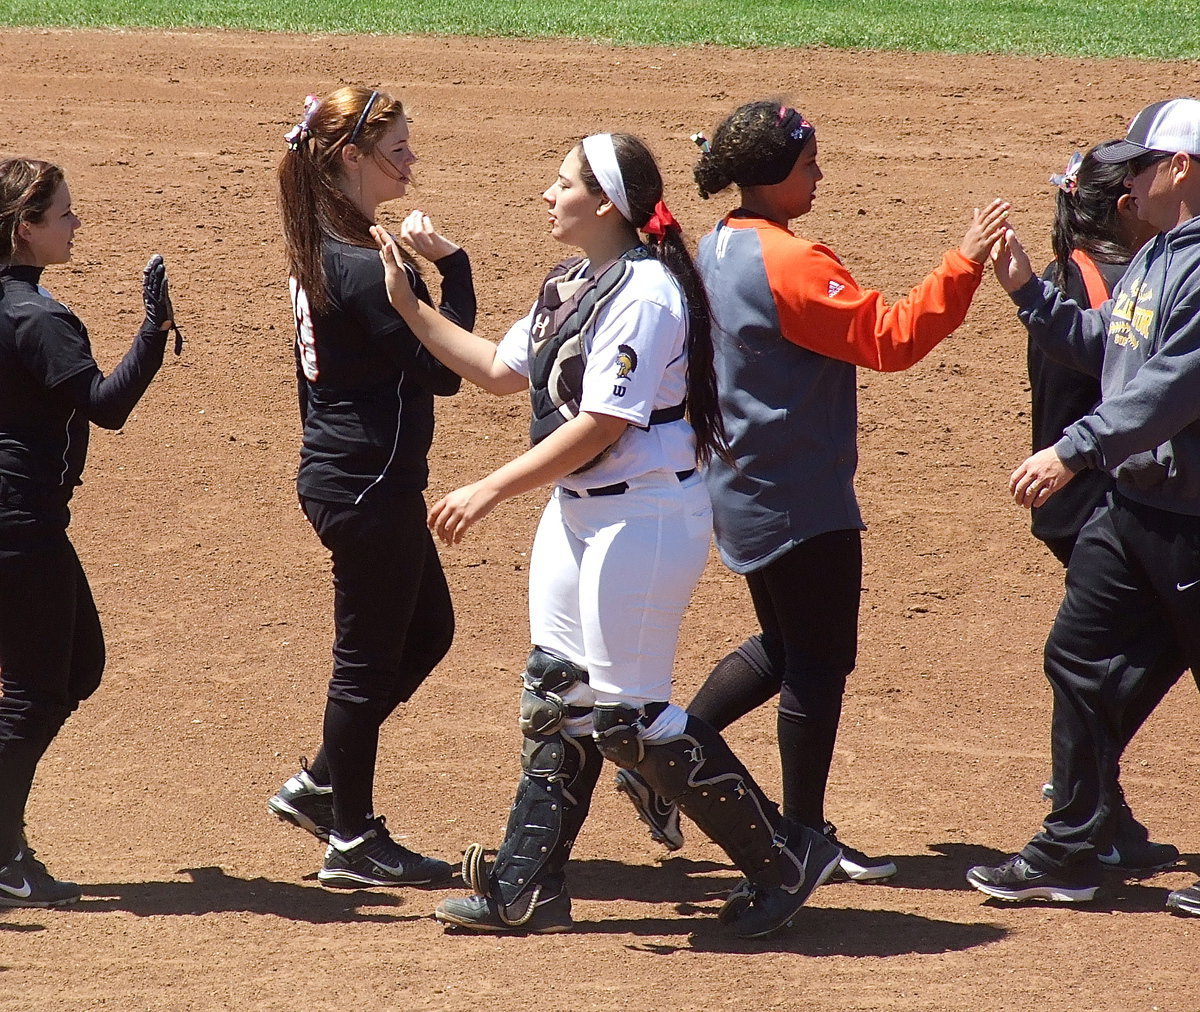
[
  {"x": 365, "y": 383},
  {"x": 50, "y": 389}
]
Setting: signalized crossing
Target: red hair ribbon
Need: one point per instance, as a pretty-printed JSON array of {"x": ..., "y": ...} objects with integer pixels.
[{"x": 661, "y": 222}]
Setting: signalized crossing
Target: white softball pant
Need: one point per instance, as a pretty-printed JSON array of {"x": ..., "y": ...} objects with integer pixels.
[{"x": 609, "y": 579}]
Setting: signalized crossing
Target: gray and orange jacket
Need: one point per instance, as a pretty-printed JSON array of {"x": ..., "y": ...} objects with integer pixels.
[{"x": 790, "y": 325}]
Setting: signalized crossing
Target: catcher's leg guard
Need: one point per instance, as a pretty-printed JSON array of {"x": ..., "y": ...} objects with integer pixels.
[
  {"x": 783, "y": 862},
  {"x": 559, "y": 774}
]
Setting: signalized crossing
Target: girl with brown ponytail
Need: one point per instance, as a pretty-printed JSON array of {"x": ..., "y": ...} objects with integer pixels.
[{"x": 366, "y": 389}]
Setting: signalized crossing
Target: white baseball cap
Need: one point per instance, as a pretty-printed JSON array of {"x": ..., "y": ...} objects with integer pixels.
[{"x": 1173, "y": 125}]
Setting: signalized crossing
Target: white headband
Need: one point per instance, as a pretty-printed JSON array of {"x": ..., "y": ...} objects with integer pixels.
[{"x": 598, "y": 149}]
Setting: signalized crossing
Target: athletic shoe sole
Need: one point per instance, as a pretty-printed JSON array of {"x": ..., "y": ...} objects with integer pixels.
[
  {"x": 1034, "y": 891},
  {"x": 13, "y": 901},
  {"x": 856, "y": 872},
  {"x": 1184, "y": 903},
  {"x": 668, "y": 834},
  {"x": 357, "y": 880},
  {"x": 286, "y": 813}
]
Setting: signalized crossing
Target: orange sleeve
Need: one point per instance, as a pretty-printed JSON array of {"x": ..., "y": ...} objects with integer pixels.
[{"x": 821, "y": 307}]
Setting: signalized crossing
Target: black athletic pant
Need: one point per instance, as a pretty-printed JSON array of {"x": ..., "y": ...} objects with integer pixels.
[
  {"x": 1134, "y": 580},
  {"x": 807, "y": 604},
  {"x": 1160, "y": 657},
  {"x": 51, "y": 659},
  {"x": 393, "y": 622}
]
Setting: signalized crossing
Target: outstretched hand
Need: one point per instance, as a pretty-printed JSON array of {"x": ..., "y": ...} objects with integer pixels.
[
  {"x": 156, "y": 298},
  {"x": 417, "y": 230},
  {"x": 395, "y": 277},
  {"x": 1010, "y": 262},
  {"x": 987, "y": 226}
]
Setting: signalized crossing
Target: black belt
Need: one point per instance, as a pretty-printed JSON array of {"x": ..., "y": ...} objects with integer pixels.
[{"x": 620, "y": 488}]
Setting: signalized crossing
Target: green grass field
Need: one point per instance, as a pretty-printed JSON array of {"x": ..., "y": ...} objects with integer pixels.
[{"x": 1158, "y": 29}]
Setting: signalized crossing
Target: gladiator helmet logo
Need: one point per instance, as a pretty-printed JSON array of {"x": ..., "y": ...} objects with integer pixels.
[{"x": 626, "y": 361}]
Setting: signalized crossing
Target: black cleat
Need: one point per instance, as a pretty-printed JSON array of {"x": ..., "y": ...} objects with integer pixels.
[
  {"x": 25, "y": 882},
  {"x": 659, "y": 815},
  {"x": 757, "y": 912},
  {"x": 1185, "y": 901},
  {"x": 305, "y": 804},
  {"x": 479, "y": 913},
  {"x": 375, "y": 859},
  {"x": 1017, "y": 880},
  {"x": 855, "y": 865}
]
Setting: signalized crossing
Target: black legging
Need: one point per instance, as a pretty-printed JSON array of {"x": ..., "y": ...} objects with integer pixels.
[
  {"x": 51, "y": 659},
  {"x": 393, "y": 622},
  {"x": 807, "y": 604}
]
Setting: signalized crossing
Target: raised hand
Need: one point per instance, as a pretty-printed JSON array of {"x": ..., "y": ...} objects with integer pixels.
[
  {"x": 395, "y": 277},
  {"x": 156, "y": 297},
  {"x": 1010, "y": 262},
  {"x": 986, "y": 227},
  {"x": 417, "y": 230}
]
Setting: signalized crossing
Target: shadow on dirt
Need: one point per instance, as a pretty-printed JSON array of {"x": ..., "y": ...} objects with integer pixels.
[
  {"x": 212, "y": 891},
  {"x": 817, "y": 931}
]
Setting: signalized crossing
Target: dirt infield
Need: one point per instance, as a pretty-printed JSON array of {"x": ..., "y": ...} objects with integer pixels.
[{"x": 215, "y": 598}]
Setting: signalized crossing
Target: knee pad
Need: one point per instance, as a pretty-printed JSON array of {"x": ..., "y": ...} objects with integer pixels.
[
  {"x": 618, "y": 733},
  {"x": 548, "y": 679},
  {"x": 544, "y": 756}
]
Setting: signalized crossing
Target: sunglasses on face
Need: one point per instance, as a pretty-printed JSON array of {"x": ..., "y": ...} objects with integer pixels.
[{"x": 1140, "y": 164}]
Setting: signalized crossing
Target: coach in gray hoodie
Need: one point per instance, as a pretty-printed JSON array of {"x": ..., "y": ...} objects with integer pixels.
[{"x": 1134, "y": 577}]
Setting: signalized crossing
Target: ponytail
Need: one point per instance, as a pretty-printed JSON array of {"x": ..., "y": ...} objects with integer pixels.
[
  {"x": 703, "y": 409},
  {"x": 1086, "y": 216},
  {"x": 311, "y": 204}
]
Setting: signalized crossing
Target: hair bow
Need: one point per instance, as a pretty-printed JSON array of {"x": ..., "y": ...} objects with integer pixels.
[
  {"x": 661, "y": 222},
  {"x": 301, "y": 131},
  {"x": 1068, "y": 182}
]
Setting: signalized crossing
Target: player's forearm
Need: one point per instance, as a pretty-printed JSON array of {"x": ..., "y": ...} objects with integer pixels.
[
  {"x": 108, "y": 401},
  {"x": 1067, "y": 333},
  {"x": 471, "y": 356},
  {"x": 562, "y": 452},
  {"x": 458, "y": 289}
]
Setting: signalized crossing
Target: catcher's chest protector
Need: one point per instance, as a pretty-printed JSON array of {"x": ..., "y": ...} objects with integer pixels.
[{"x": 558, "y": 340}]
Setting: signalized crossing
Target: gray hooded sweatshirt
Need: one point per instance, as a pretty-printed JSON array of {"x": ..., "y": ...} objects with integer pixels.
[{"x": 1144, "y": 344}]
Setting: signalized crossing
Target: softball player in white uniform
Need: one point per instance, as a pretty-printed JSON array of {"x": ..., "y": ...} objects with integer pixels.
[{"x": 617, "y": 358}]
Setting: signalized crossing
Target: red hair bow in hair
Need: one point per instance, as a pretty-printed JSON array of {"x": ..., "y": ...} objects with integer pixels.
[{"x": 662, "y": 222}]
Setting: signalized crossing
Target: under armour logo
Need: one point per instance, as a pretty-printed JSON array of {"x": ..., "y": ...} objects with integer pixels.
[
  {"x": 538, "y": 330},
  {"x": 696, "y": 754},
  {"x": 834, "y": 288}
]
